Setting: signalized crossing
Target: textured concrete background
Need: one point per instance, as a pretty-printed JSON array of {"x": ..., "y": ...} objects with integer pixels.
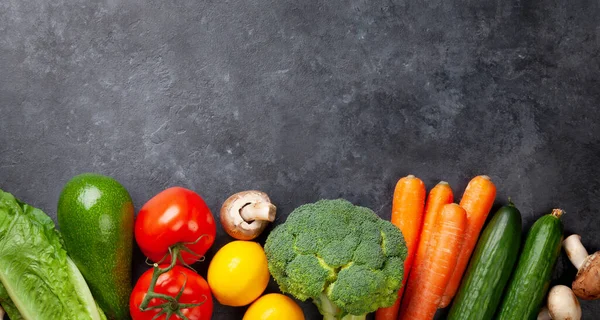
[{"x": 306, "y": 100}]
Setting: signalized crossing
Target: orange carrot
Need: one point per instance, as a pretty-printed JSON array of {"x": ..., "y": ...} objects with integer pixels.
[
  {"x": 389, "y": 313},
  {"x": 407, "y": 214},
  {"x": 426, "y": 287},
  {"x": 439, "y": 196},
  {"x": 477, "y": 201}
]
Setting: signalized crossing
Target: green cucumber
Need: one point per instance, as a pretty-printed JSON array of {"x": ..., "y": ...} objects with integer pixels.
[
  {"x": 490, "y": 267},
  {"x": 530, "y": 282}
]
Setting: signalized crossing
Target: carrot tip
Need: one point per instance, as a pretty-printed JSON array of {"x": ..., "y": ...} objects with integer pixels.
[
  {"x": 486, "y": 177},
  {"x": 443, "y": 183},
  {"x": 410, "y": 176}
]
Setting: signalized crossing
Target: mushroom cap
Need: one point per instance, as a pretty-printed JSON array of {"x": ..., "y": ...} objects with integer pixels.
[
  {"x": 231, "y": 218},
  {"x": 544, "y": 314},
  {"x": 587, "y": 282},
  {"x": 563, "y": 304}
]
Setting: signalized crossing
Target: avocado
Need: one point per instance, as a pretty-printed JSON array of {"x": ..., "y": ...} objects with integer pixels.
[{"x": 95, "y": 216}]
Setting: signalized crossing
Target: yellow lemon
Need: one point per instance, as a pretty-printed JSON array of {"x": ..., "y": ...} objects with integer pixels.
[
  {"x": 274, "y": 306},
  {"x": 238, "y": 273}
]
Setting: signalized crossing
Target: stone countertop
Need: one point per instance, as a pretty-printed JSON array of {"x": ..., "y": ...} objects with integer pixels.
[{"x": 306, "y": 100}]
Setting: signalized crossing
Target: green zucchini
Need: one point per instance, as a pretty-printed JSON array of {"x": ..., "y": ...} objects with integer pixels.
[
  {"x": 530, "y": 282},
  {"x": 489, "y": 270}
]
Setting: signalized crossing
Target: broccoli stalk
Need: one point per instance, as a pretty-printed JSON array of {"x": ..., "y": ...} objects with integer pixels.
[
  {"x": 344, "y": 257},
  {"x": 331, "y": 312}
]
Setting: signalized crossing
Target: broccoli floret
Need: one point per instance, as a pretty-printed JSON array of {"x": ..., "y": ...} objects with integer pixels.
[
  {"x": 392, "y": 242},
  {"x": 369, "y": 254},
  {"x": 344, "y": 294},
  {"x": 305, "y": 244},
  {"x": 339, "y": 252},
  {"x": 285, "y": 253},
  {"x": 306, "y": 276},
  {"x": 391, "y": 267},
  {"x": 344, "y": 257}
]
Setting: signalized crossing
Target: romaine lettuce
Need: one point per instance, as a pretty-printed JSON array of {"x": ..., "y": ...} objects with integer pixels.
[
  {"x": 8, "y": 305},
  {"x": 37, "y": 276}
]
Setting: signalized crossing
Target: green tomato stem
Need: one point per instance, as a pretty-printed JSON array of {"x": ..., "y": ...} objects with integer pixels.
[
  {"x": 150, "y": 294},
  {"x": 171, "y": 306}
]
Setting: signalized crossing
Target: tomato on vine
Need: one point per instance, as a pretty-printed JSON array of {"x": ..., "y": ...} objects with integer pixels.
[
  {"x": 175, "y": 292},
  {"x": 175, "y": 223}
]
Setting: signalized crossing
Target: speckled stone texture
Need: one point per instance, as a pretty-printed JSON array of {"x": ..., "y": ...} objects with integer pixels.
[{"x": 306, "y": 100}]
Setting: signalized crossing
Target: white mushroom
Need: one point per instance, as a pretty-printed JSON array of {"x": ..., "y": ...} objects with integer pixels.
[
  {"x": 562, "y": 305},
  {"x": 544, "y": 314},
  {"x": 587, "y": 282},
  {"x": 246, "y": 214}
]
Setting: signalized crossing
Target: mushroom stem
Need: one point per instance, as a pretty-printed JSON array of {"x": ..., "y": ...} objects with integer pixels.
[
  {"x": 246, "y": 214},
  {"x": 264, "y": 211},
  {"x": 544, "y": 314},
  {"x": 1, "y": 313},
  {"x": 575, "y": 250}
]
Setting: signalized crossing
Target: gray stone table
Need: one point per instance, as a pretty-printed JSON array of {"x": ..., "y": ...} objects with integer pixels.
[{"x": 306, "y": 100}]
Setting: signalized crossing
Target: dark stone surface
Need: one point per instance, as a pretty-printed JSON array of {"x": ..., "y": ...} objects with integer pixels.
[{"x": 306, "y": 100}]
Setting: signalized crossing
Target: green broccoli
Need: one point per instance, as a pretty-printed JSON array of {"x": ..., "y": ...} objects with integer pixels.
[{"x": 344, "y": 257}]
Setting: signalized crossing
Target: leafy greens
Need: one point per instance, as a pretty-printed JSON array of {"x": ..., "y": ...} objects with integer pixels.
[{"x": 38, "y": 281}]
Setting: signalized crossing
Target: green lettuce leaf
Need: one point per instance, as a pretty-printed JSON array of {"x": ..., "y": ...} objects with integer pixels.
[
  {"x": 36, "y": 274},
  {"x": 9, "y": 307}
]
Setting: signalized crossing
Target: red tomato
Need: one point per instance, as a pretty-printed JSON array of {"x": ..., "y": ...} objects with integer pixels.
[
  {"x": 169, "y": 283},
  {"x": 175, "y": 217}
]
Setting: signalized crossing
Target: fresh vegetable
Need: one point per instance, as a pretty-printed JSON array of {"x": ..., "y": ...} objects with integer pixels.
[
  {"x": 425, "y": 290},
  {"x": 531, "y": 278},
  {"x": 39, "y": 278},
  {"x": 477, "y": 201},
  {"x": 544, "y": 314},
  {"x": 587, "y": 282},
  {"x": 183, "y": 295},
  {"x": 490, "y": 267},
  {"x": 562, "y": 305},
  {"x": 238, "y": 273},
  {"x": 439, "y": 196},
  {"x": 176, "y": 222},
  {"x": 95, "y": 216},
  {"x": 344, "y": 257},
  {"x": 246, "y": 214},
  {"x": 173, "y": 228},
  {"x": 7, "y": 305},
  {"x": 274, "y": 306},
  {"x": 407, "y": 214}
]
